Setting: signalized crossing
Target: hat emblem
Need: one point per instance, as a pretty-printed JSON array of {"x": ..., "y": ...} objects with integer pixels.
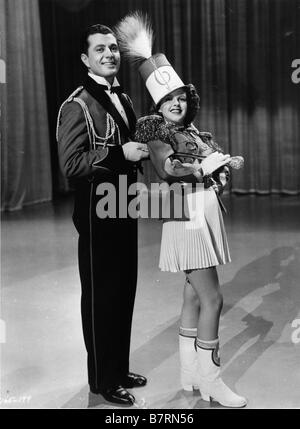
[{"x": 162, "y": 78}]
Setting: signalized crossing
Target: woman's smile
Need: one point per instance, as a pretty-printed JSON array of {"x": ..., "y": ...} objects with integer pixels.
[{"x": 174, "y": 106}]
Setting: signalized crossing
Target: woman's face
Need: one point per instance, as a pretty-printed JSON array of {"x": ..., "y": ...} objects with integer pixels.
[{"x": 174, "y": 107}]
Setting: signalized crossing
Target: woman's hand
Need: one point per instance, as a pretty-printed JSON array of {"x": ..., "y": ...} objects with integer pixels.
[
  {"x": 213, "y": 162},
  {"x": 177, "y": 168},
  {"x": 194, "y": 168},
  {"x": 178, "y": 164}
]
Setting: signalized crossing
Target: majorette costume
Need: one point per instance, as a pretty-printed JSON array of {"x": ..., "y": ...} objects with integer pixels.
[{"x": 186, "y": 244}]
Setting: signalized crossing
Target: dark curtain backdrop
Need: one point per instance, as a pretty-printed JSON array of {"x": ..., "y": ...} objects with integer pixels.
[
  {"x": 238, "y": 53},
  {"x": 25, "y": 154}
]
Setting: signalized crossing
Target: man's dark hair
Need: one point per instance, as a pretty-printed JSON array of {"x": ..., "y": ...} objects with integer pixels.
[{"x": 93, "y": 29}]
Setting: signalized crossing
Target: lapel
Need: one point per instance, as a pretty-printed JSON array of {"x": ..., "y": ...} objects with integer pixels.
[
  {"x": 129, "y": 112},
  {"x": 100, "y": 95}
]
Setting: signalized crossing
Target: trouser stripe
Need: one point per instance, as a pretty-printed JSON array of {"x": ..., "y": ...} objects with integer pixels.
[{"x": 92, "y": 286}]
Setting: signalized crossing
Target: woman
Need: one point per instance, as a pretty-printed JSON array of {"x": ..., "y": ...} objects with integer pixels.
[{"x": 180, "y": 153}]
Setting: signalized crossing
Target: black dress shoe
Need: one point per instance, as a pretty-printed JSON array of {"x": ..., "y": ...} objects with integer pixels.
[
  {"x": 134, "y": 380},
  {"x": 118, "y": 395}
]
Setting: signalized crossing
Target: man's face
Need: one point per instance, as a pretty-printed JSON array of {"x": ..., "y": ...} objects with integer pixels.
[{"x": 103, "y": 57}]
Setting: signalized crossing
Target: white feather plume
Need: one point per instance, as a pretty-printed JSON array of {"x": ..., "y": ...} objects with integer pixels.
[{"x": 135, "y": 36}]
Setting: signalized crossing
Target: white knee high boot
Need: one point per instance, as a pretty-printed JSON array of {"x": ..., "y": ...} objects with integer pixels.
[
  {"x": 188, "y": 358},
  {"x": 209, "y": 381}
]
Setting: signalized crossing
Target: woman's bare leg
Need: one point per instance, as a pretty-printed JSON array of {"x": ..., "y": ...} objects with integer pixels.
[
  {"x": 190, "y": 307},
  {"x": 205, "y": 283}
]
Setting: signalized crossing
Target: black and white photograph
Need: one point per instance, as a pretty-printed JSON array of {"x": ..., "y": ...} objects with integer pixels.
[{"x": 150, "y": 210}]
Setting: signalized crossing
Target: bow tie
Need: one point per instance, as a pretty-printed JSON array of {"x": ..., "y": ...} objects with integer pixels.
[{"x": 113, "y": 89}]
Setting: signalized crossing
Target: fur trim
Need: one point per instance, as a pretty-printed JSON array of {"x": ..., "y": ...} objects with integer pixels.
[{"x": 152, "y": 127}]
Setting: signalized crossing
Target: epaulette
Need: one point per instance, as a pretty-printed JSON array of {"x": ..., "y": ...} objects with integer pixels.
[
  {"x": 68, "y": 100},
  {"x": 73, "y": 95}
]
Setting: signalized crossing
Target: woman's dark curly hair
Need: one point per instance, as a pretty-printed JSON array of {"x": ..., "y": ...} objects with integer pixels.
[{"x": 193, "y": 104}]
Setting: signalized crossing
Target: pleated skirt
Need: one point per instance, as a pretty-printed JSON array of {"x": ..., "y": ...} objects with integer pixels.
[{"x": 187, "y": 245}]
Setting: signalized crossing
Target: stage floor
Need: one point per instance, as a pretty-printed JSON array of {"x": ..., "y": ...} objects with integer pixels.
[{"x": 43, "y": 359}]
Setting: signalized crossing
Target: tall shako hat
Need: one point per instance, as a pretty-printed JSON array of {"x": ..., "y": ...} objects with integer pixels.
[
  {"x": 159, "y": 76},
  {"x": 135, "y": 37}
]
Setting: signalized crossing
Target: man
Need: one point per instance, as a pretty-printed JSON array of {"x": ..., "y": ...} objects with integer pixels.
[{"x": 93, "y": 132}]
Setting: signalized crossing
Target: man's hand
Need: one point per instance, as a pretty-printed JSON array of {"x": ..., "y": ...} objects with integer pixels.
[{"x": 134, "y": 151}]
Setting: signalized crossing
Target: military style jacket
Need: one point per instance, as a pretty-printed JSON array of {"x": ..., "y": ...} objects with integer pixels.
[{"x": 90, "y": 133}]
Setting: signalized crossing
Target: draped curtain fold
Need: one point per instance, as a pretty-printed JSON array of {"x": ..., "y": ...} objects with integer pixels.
[
  {"x": 264, "y": 103},
  {"x": 25, "y": 160}
]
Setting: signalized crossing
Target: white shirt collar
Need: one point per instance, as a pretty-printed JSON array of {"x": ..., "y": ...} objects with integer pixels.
[{"x": 103, "y": 81}]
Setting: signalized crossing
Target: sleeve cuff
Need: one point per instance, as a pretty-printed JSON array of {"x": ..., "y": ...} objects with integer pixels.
[{"x": 113, "y": 160}]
